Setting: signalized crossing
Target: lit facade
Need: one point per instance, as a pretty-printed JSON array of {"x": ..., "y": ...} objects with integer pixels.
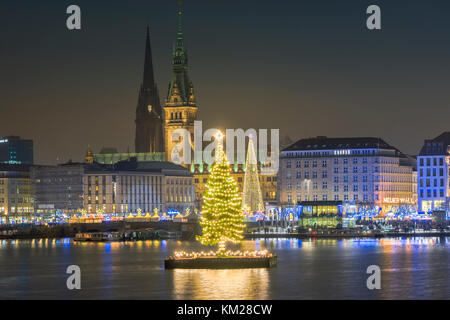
[
  {"x": 147, "y": 186},
  {"x": 433, "y": 165},
  {"x": 16, "y": 194},
  {"x": 123, "y": 187},
  {"x": 180, "y": 110},
  {"x": 363, "y": 173}
]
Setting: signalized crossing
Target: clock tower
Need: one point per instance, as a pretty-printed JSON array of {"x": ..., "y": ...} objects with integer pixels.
[{"x": 180, "y": 110}]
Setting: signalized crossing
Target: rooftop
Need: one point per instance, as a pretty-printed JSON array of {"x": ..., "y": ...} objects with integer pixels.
[
  {"x": 325, "y": 143},
  {"x": 14, "y": 167},
  {"x": 437, "y": 146}
]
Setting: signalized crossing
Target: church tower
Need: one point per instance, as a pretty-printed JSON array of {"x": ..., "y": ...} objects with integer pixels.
[
  {"x": 149, "y": 131},
  {"x": 180, "y": 110}
]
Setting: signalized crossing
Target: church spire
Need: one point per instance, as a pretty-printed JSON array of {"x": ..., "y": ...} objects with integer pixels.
[
  {"x": 149, "y": 78},
  {"x": 180, "y": 42},
  {"x": 148, "y": 121},
  {"x": 180, "y": 69}
]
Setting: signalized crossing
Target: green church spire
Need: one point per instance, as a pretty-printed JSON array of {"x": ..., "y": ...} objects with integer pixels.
[{"x": 181, "y": 91}]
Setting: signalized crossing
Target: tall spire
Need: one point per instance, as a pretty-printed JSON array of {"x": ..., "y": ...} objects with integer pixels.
[
  {"x": 149, "y": 136},
  {"x": 149, "y": 78},
  {"x": 180, "y": 69},
  {"x": 180, "y": 43}
]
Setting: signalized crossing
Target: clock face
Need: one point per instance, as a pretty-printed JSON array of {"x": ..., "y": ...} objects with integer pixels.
[{"x": 149, "y": 108}]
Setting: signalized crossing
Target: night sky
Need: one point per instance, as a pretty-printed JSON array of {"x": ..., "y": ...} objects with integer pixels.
[{"x": 306, "y": 67}]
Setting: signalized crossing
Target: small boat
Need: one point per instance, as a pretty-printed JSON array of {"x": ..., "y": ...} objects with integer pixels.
[
  {"x": 165, "y": 235},
  {"x": 98, "y": 236}
]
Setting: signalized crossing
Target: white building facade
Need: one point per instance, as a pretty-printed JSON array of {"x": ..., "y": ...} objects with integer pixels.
[
  {"x": 145, "y": 186},
  {"x": 361, "y": 172}
]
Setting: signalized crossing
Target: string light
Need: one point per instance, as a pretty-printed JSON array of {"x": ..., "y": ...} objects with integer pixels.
[
  {"x": 222, "y": 218},
  {"x": 228, "y": 253}
]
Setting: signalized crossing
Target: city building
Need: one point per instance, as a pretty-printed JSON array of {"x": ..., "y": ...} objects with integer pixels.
[
  {"x": 58, "y": 190},
  {"x": 433, "y": 164},
  {"x": 130, "y": 186},
  {"x": 366, "y": 174},
  {"x": 14, "y": 150},
  {"x": 180, "y": 110},
  {"x": 16, "y": 194},
  {"x": 123, "y": 187},
  {"x": 149, "y": 117}
]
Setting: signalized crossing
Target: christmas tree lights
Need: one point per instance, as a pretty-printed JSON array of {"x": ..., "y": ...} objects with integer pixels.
[
  {"x": 221, "y": 219},
  {"x": 252, "y": 200}
]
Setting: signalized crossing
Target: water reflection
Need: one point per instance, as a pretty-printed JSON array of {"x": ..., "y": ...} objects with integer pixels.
[
  {"x": 241, "y": 284},
  {"x": 416, "y": 268}
]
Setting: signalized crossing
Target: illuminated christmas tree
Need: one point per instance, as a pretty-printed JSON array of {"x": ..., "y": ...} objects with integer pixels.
[
  {"x": 252, "y": 200},
  {"x": 221, "y": 216}
]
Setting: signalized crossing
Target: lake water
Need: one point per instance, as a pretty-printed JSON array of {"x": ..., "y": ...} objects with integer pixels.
[{"x": 414, "y": 268}]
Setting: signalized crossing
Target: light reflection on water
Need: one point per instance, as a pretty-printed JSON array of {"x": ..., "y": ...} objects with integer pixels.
[
  {"x": 307, "y": 269},
  {"x": 242, "y": 284}
]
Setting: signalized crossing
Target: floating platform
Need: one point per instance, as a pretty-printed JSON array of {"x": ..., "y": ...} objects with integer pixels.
[{"x": 221, "y": 263}]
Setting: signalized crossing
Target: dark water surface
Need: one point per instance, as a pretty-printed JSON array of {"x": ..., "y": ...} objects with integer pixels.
[{"x": 415, "y": 268}]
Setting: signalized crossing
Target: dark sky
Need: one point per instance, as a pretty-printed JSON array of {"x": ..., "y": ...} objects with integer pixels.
[{"x": 307, "y": 67}]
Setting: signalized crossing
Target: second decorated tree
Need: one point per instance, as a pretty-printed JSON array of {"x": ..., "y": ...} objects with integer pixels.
[{"x": 222, "y": 218}]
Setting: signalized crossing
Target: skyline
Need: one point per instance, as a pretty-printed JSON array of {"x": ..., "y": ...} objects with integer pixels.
[{"x": 83, "y": 85}]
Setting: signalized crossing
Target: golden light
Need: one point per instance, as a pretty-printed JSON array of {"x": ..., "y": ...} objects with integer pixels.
[{"x": 219, "y": 135}]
